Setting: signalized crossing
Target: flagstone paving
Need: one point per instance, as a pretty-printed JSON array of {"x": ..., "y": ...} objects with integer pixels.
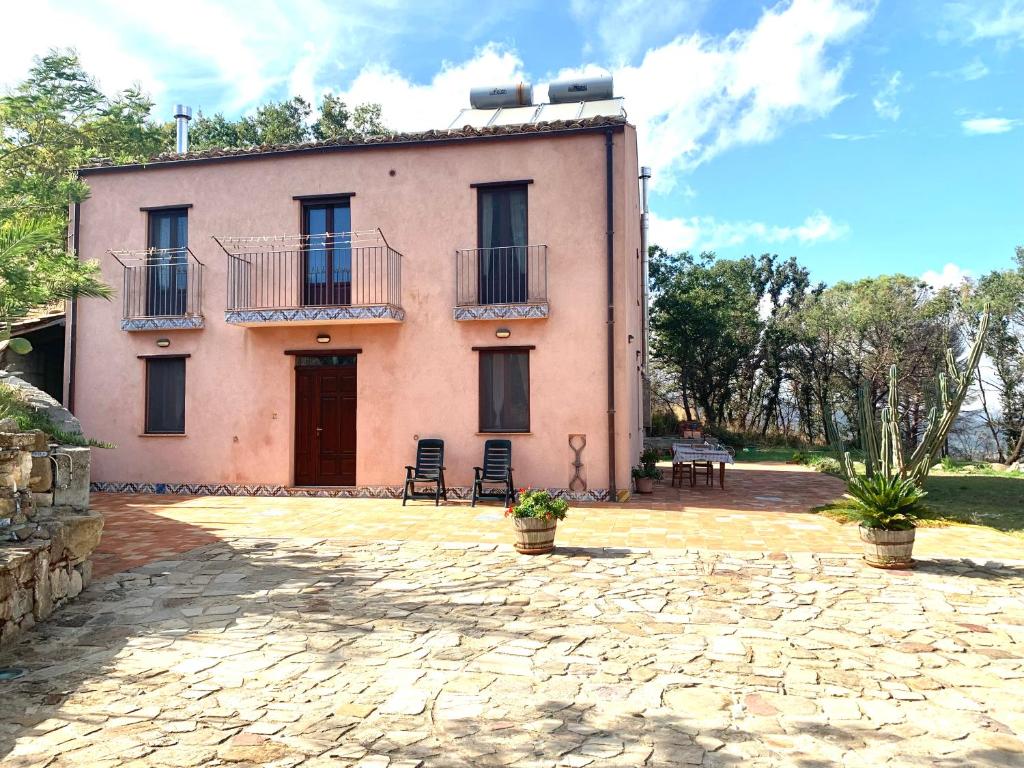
[
  {"x": 309, "y": 653},
  {"x": 764, "y": 507}
]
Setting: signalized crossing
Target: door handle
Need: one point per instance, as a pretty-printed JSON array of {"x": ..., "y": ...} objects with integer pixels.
[{"x": 319, "y": 430}]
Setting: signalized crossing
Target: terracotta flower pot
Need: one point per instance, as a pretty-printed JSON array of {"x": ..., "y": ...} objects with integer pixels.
[
  {"x": 888, "y": 549},
  {"x": 644, "y": 484},
  {"x": 534, "y": 535}
]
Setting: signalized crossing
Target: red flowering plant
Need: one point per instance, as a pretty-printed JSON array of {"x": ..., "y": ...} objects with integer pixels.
[{"x": 538, "y": 503}]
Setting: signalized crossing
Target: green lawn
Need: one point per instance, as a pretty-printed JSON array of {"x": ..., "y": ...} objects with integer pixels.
[
  {"x": 985, "y": 497},
  {"x": 781, "y": 453}
]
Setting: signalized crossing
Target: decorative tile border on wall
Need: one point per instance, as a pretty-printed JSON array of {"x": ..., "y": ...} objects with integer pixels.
[
  {"x": 503, "y": 312},
  {"x": 189, "y": 323},
  {"x": 376, "y": 312},
  {"x": 356, "y": 492}
]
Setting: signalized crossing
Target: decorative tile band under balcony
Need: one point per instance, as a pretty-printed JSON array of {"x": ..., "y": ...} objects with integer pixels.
[
  {"x": 335, "y": 277},
  {"x": 162, "y": 289},
  {"x": 503, "y": 283}
]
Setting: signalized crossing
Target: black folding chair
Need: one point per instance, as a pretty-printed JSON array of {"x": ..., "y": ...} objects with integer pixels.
[
  {"x": 496, "y": 471},
  {"x": 429, "y": 469}
]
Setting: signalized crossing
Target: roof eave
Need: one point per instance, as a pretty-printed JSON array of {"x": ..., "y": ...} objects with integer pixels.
[{"x": 616, "y": 127}]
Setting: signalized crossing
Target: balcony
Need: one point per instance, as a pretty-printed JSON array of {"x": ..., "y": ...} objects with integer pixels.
[
  {"x": 162, "y": 289},
  {"x": 506, "y": 283},
  {"x": 337, "y": 277}
]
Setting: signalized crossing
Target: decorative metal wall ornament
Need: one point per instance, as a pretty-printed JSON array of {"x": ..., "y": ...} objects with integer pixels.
[{"x": 577, "y": 443}]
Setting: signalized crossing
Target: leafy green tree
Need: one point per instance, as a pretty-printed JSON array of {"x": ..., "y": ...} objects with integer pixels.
[
  {"x": 1004, "y": 290},
  {"x": 57, "y": 120},
  {"x": 704, "y": 324},
  {"x": 34, "y": 274},
  {"x": 284, "y": 122}
]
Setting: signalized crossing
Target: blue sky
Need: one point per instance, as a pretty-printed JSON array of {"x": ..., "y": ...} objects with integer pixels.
[{"x": 862, "y": 136}]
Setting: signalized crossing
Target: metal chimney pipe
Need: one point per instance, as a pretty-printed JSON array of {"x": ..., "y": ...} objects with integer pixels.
[
  {"x": 645, "y": 177},
  {"x": 182, "y": 115}
]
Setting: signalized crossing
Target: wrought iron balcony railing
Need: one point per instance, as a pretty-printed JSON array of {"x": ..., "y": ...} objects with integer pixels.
[
  {"x": 356, "y": 275},
  {"x": 162, "y": 288},
  {"x": 512, "y": 277}
]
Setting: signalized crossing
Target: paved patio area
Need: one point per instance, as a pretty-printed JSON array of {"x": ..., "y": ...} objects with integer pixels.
[
  {"x": 763, "y": 508},
  {"x": 313, "y": 653}
]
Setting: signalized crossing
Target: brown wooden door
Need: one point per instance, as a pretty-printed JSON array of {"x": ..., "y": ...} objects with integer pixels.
[{"x": 325, "y": 425}]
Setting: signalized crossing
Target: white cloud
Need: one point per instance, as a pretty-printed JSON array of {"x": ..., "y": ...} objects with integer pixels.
[
  {"x": 626, "y": 28},
  {"x": 951, "y": 276},
  {"x": 706, "y": 233},
  {"x": 973, "y": 70},
  {"x": 851, "y": 136},
  {"x": 411, "y": 106},
  {"x": 1001, "y": 21},
  {"x": 219, "y": 56},
  {"x": 698, "y": 96},
  {"x": 884, "y": 101},
  {"x": 980, "y": 126}
]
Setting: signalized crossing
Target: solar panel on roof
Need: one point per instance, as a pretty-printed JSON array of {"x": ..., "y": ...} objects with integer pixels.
[{"x": 542, "y": 113}]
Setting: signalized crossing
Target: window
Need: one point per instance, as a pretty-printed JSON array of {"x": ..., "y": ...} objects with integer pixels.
[
  {"x": 167, "y": 263},
  {"x": 505, "y": 390},
  {"x": 328, "y": 255},
  {"x": 502, "y": 238},
  {"x": 165, "y": 396}
]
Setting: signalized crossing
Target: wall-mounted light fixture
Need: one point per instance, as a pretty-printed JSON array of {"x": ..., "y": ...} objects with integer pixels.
[
  {"x": 163, "y": 342},
  {"x": 503, "y": 333},
  {"x": 323, "y": 338}
]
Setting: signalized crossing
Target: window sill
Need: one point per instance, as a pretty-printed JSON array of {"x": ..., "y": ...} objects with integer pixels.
[
  {"x": 498, "y": 432},
  {"x": 162, "y": 434}
]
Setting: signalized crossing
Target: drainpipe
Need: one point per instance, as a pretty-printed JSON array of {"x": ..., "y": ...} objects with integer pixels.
[
  {"x": 610, "y": 214},
  {"x": 645, "y": 176},
  {"x": 76, "y": 217}
]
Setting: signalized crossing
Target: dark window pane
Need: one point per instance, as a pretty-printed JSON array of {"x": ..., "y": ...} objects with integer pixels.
[
  {"x": 167, "y": 272},
  {"x": 328, "y": 256},
  {"x": 316, "y": 361},
  {"x": 503, "y": 238},
  {"x": 165, "y": 395},
  {"x": 504, "y": 391}
]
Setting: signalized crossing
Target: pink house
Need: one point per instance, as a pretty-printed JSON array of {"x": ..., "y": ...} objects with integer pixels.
[{"x": 291, "y": 320}]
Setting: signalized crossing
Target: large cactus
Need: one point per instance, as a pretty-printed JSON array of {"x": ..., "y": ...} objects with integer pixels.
[{"x": 884, "y": 453}]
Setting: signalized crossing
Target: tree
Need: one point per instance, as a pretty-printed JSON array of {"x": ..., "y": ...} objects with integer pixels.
[
  {"x": 1004, "y": 290},
  {"x": 34, "y": 274},
  {"x": 57, "y": 120},
  {"x": 704, "y": 325},
  {"x": 285, "y": 122}
]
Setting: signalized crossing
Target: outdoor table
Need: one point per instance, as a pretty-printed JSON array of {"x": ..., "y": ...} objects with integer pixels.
[{"x": 683, "y": 453}]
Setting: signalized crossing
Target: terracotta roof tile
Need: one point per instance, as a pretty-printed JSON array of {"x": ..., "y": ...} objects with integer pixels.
[{"x": 420, "y": 137}]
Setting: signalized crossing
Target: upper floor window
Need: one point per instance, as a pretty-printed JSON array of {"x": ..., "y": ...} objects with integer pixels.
[
  {"x": 327, "y": 262},
  {"x": 502, "y": 238},
  {"x": 167, "y": 263}
]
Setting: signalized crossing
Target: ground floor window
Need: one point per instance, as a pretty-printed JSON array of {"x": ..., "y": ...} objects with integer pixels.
[
  {"x": 505, "y": 390},
  {"x": 165, "y": 396}
]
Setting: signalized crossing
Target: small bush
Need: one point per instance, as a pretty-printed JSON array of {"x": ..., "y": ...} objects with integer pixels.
[
  {"x": 538, "y": 503},
  {"x": 827, "y": 464},
  {"x": 888, "y": 503}
]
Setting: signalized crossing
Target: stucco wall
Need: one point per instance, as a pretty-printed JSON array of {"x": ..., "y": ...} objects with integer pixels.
[{"x": 418, "y": 377}]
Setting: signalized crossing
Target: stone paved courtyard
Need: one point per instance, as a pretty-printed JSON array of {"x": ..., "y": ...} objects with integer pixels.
[{"x": 285, "y": 653}]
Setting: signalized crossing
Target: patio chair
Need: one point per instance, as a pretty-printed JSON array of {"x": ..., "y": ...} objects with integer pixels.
[
  {"x": 496, "y": 471},
  {"x": 705, "y": 468},
  {"x": 429, "y": 470}
]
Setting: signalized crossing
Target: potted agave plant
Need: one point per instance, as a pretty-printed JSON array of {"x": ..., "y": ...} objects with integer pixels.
[
  {"x": 887, "y": 498},
  {"x": 535, "y": 517},
  {"x": 887, "y": 509}
]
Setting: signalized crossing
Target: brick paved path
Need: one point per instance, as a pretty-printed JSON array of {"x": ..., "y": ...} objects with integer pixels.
[
  {"x": 763, "y": 508},
  {"x": 304, "y": 653}
]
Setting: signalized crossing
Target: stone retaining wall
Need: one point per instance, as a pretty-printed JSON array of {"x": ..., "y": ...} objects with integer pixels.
[{"x": 47, "y": 533}]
